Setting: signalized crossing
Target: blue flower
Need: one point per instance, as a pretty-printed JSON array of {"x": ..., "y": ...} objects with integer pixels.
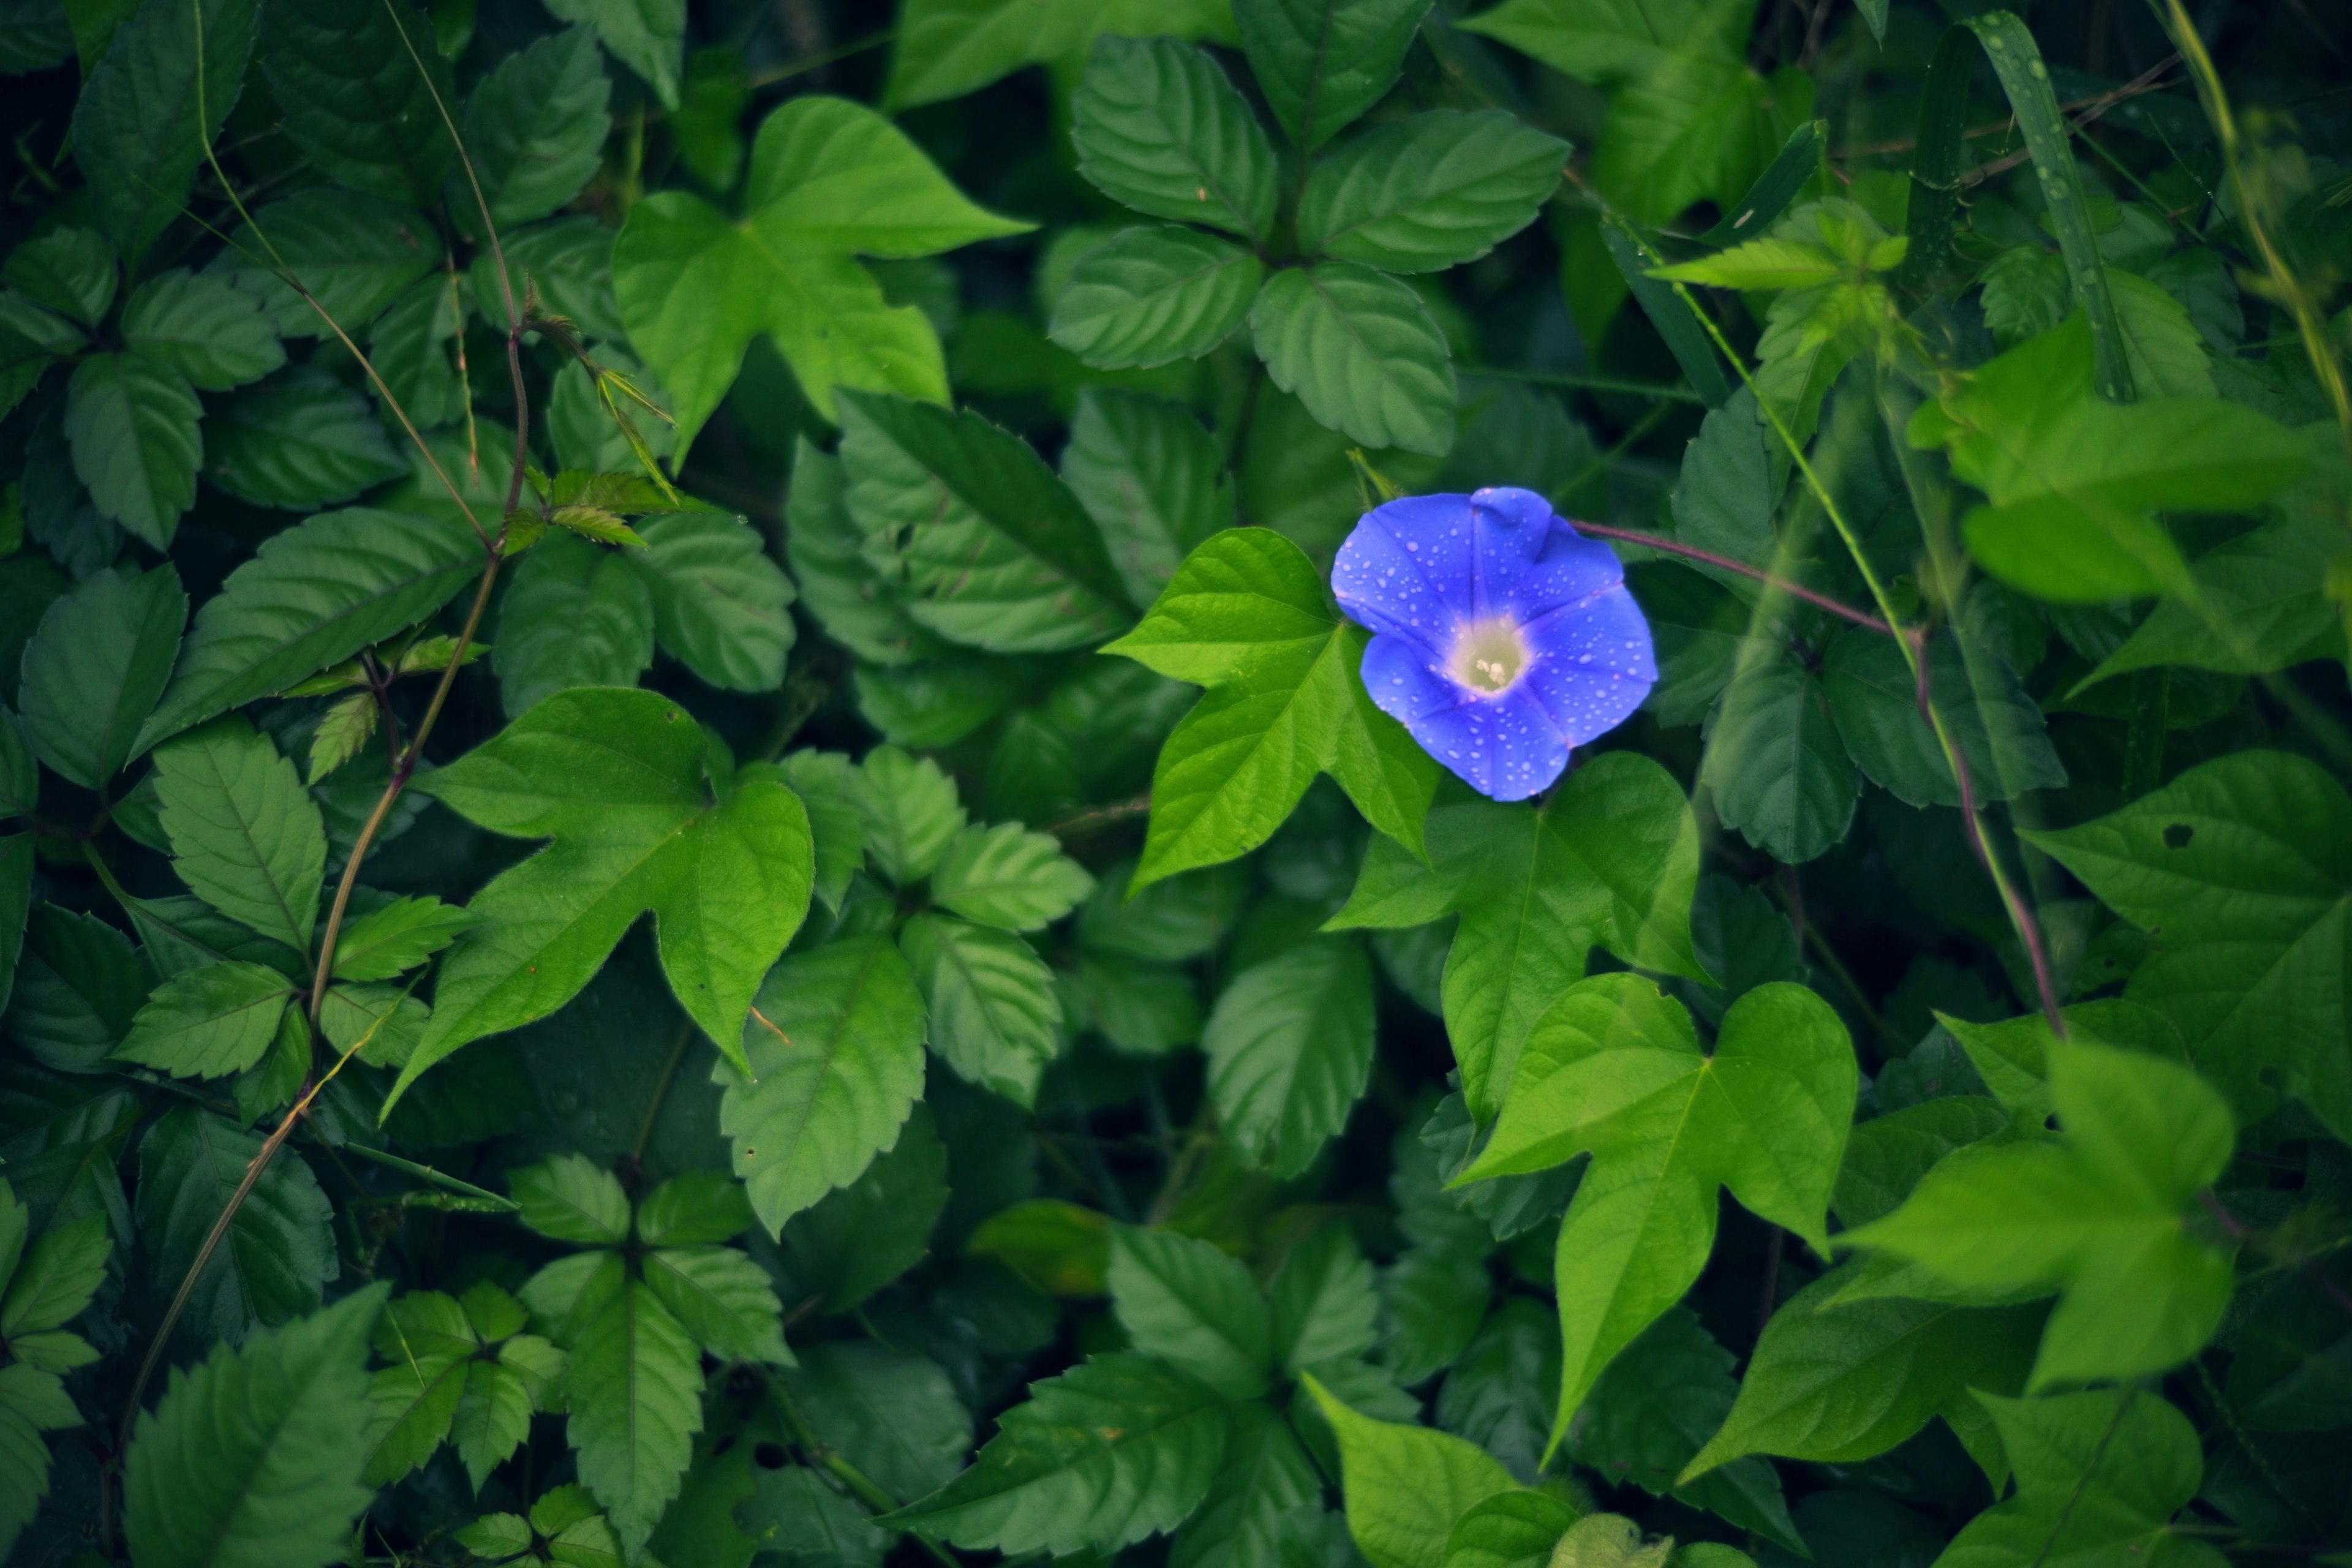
[{"x": 1501, "y": 635}]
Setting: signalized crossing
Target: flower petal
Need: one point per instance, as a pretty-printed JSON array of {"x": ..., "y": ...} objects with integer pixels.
[
  {"x": 1407, "y": 570},
  {"x": 1507, "y": 747},
  {"x": 1593, "y": 663},
  {"x": 1550, "y": 565}
]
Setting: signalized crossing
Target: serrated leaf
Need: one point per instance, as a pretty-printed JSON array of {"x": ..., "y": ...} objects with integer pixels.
[
  {"x": 2099, "y": 1477},
  {"x": 574, "y": 616},
  {"x": 1614, "y": 1067},
  {"x": 211, "y": 331},
  {"x": 357, "y": 82},
  {"x": 722, "y": 1298},
  {"x": 718, "y": 602},
  {"x": 137, "y": 132},
  {"x": 1430, "y": 192},
  {"x": 56, "y": 1277},
  {"x": 492, "y": 1418},
  {"x": 829, "y": 179},
  {"x": 2259, "y": 607},
  {"x": 858, "y": 607},
  {"x": 2242, "y": 871},
  {"x": 1322, "y": 63},
  {"x": 864, "y": 1235},
  {"x": 570, "y": 1197},
  {"x": 1323, "y": 1305},
  {"x": 69, "y": 270},
  {"x": 1007, "y": 876},
  {"x": 343, "y": 729},
  {"x": 411, "y": 1404},
  {"x": 132, "y": 424},
  {"x": 387, "y": 942},
  {"x": 1290, "y": 1050},
  {"x": 1405, "y": 1485},
  {"x": 1194, "y": 1306},
  {"x": 95, "y": 666},
  {"x": 253, "y": 1456},
  {"x": 1875, "y": 701},
  {"x": 995, "y": 1016},
  {"x": 616, "y": 779},
  {"x": 1113, "y": 1450},
  {"x": 411, "y": 347},
  {"x": 1361, "y": 351},
  {"x": 1776, "y": 764},
  {"x": 1838, "y": 1383},
  {"x": 950, "y": 48},
  {"x": 354, "y": 253},
  {"x": 299, "y": 439},
  {"x": 646, "y": 36},
  {"x": 635, "y": 1397},
  {"x": 208, "y": 1022},
  {"x": 985, "y": 545},
  {"x": 1610, "y": 859},
  {"x": 1158, "y": 127},
  {"x": 78, "y": 983},
  {"x": 909, "y": 810},
  {"x": 535, "y": 129},
  {"x": 693, "y": 1208},
  {"x": 1148, "y": 296},
  {"x": 893, "y": 1413},
  {"x": 245, "y": 835},
  {"x": 2096, "y": 1216},
  {"x": 1151, "y": 478},
  {"x": 280, "y": 1250},
  {"x": 836, "y": 1057},
  {"x": 1509, "y": 1530},
  {"x": 1266, "y": 1474}
]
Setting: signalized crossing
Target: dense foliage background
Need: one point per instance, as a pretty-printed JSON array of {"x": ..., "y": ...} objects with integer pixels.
[{"x": 859, "y": 487}]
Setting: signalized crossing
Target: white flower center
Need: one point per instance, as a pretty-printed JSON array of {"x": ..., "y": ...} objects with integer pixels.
[{"x": 1489, "y": 656}]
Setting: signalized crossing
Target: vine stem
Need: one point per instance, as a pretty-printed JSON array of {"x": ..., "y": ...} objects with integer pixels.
[
  {"x": 1913, "y": 640},
  {"x": 1675, "y": 547}
]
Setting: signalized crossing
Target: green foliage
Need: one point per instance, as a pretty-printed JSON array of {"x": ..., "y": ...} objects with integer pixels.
[{"x": 472, "y": 477}]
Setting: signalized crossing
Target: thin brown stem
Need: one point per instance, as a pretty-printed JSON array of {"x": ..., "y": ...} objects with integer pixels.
[
  {"x": 1675, "y": 547},
  {"x": 2145, "y": 82}
]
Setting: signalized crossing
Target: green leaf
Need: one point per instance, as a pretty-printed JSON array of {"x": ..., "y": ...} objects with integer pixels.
[
  {"x": 411, "y": 347},
  {"x": 313, "y": 595},
  {"x": 909, "y": 810},
  {"x": 875, "y": 1229},
  {"x": 570, "y": 1197},
  {"x": 719, "y": 603},
  {"x": 254, "y": 1457},
  {"x": 200, "y": 324},
  {"x": 144, "y": 118},
  {"x": 995, "y": 1016},
  {"x": 1159, "y": 128},
  {"x": 721, "y": 1297},
  {"x": 1267, "y": 1475},
  {"x": 646, "y": 36},
  {"x": 1615, "y": 1068},
  {"x": 1405, "y": 1485},
  {"x": 693, "y": 1208},
  {"x": 2074, "y": 482},
  {"x": 1361, "y": 351},
  {"x": 2099, "y": 1477},
  {"x": 892, "y": 1413},
  {"x": 492, "y": 1418},
  {"x": 1652, "y": 1408},
  {"x": 950, "y": 48},
  {"x": 299, "y": 439},
  {"x": 1322, "y": 63},
  {"x": 985, "y": 545},
  {"x": 574, "y": 616},
  {"x": 831, "y": 1081},
  {"x": 386, "y": 943},
  {"x": 132, "y": 424},
  {"x": 1430, "y": 192},
  {"x": 829, "y": 179},
  {"x": 2241, "y": 872},
  {"x": 78, "y": 983},
  {"x": 1886, "y": 1156},
  {"x": 636, "y": 1397},
  {"x": 208, "y": 1022},
  {"x": 413, "y": 1401},
  {"x": 857, "y": 608},
  {"x": 1325, "y": 1308},
  {"x": 2258, "y": 608},
  {"x": 69, "y": 270},
  {"x": 1701, "y": 127},
  {"x": 356, "y": 82},
  {"x": 245, "y": 835},
  {"x": 1194, "y": 1306},
  {"x": 1776, "y": 764},
  {"x": 2011, "y": 1054},
  {"x": 1610, "y": 859},
  {"x": 1837, "y": 1383},
  {"x": 56, "y": 1277},
  {"x": 280, "y": 1250},
  {"x": 20, "y": 778},
  {"x": 1150, "y": 295},
  {"x": 535, "y": 129},
  {"x": 95, "y": 666},
  {"x": 1247, "y": 615},
  {"x": 354, "y": 253},
  {"x": 1875, "y": 701},
  {"x": 615, "y": 778},
  {"x": 1290, "y": 1051},
  {"x": 1117, "y": 1449},
  {"x": 2162, "y": 345},
  {"x": 2096, "y": 1217},
  {"x": 1509, "y": 1530},
  {"x": 1007, "y": 876}
]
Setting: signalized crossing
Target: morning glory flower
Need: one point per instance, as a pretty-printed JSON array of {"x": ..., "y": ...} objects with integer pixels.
[{"x": 1501, "y": 636}]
